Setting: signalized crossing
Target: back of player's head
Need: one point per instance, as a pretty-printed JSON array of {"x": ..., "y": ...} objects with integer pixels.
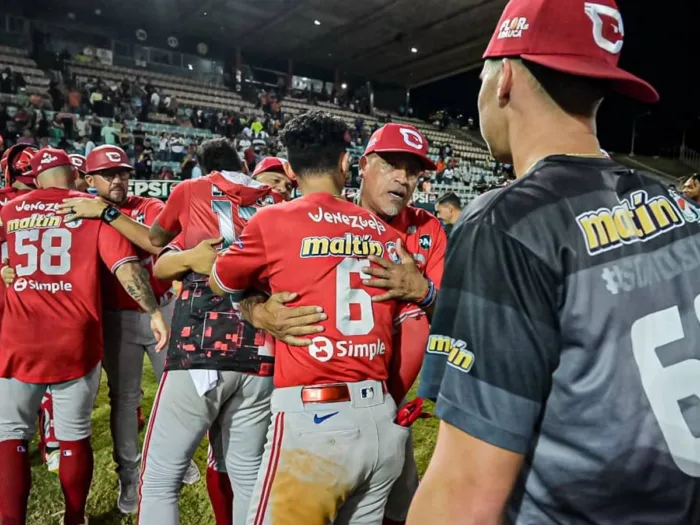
[
  {"x": 218, "y": 155},
  {"x": 449, "y": 199},
  {"x": 52, "y": 168},
  {"x": 316, "y": 143}
]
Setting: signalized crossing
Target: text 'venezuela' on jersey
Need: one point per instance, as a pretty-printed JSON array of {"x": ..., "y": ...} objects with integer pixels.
[
  {"x": 570, "y": 317},
  {"x": 6, "y": 195},
  {"x": 208, "y": 331},
  {"x": 57, "y": 288},
  {"x": 317, "y": 246},
  {"x": 143, "y": 210}
]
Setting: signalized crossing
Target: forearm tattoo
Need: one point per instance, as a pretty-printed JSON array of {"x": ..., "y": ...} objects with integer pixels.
[{"x": 134, "y": 279}]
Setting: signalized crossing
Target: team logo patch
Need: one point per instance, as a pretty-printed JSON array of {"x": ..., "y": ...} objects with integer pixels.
[
  {"x": 72, "y": 224},
  {"x": 391, "y": 252},
  {"x": 458, "y": 356},
  {"x": 425, "y": 242},
  {"x": 20, "y": 284}
]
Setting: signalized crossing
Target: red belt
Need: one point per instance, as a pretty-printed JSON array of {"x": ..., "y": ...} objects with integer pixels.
[{"x": 332, "y": 393}]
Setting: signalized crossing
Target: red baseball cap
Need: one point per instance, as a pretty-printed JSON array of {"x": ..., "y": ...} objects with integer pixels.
[
  {"x": 277, "y": 165},
  {"x": 401, "y": 138},
  {"x": 574, "y": 36},
  {"x": 48, "y": 158},
  {"x": 78, "y": 162}
]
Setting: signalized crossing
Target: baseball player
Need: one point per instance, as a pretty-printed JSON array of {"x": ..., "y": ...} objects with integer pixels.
[
  {"x": 333, "y": 427},
  {"x": 570, "y": 302},
  {"x": 218, "y": 369},
  {"x": 277, "y": 174},
  {"x": 126, "y": 331},
  {"x": 79, "y": 162},
  {"x": 395, "y": 158},
  {"x": 56, "y": 265}
]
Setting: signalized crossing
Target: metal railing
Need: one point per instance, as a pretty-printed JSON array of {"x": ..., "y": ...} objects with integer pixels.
[{"x": 690, "y": 157}]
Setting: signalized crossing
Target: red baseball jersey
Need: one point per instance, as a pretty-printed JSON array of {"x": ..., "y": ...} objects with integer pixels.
[
  {"x": 317, "y": 246},
  {"x": 6, "y": 195},
  {"x": 52, "y": 326},
  {"x": 207, "y": 330},
  {"x": 217, "y": 205},
  {"x": 143, "y": 210}
]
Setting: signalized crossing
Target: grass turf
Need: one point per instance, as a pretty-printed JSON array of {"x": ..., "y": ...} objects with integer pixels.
[{"x": 46, "y": 500}]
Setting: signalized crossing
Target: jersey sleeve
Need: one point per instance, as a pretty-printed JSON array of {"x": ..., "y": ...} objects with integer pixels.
[
  {"x": 244, "y": 263},
  {"x": 151, "y": 210},
  {"x": 435, "y": 264},
  {"x": 170, "y": 217},
  {"x": 114, "y": 248},
  {"x": 496, "y": 323}
]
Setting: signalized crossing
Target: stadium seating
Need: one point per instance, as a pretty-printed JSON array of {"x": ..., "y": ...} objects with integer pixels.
[{"x": 18, "y": 61}]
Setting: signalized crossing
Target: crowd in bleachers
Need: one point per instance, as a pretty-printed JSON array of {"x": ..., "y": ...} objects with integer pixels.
[{"x": 160, "y": 119}]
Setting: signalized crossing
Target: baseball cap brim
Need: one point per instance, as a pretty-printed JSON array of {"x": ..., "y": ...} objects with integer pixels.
[
  {"x": 122, "y": 165},
  {"x": 428, "y": 164},
  {"x": 623, "y": 82}
]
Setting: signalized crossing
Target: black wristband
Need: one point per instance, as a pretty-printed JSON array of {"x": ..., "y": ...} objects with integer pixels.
[{"x": 109, "y": 214}]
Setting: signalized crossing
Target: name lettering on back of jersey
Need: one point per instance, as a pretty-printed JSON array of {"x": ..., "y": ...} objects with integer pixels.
[
  {"x": 636, "y": 219},
  {"x": 323, "y": 349},
  {"x": 347, "y": 246},
  {"x": 354, "y": 221},
  {"x": 454, "y": 349},
  {"x": 37, "y": 206}
]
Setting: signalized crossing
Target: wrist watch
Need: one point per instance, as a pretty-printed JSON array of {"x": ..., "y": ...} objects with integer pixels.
[{"x": 109, "y": 214}]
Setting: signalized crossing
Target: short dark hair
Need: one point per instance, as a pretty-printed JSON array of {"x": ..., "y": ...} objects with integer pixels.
[
  {"x": 315, "y": 142},
  {"x": 574, "y": 94},
  {"x": 450, "y": 199},
  {"x": 218, "y": 155}
]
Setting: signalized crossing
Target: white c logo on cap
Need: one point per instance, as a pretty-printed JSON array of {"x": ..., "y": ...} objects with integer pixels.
[
  {"x": 412, "y": 138},
  {"x": 113, "y": 156},
  {"x": 594, "y": 12}
]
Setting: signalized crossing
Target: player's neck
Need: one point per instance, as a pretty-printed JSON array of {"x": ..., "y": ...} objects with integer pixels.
[
  {"x": 318, "y": 184},
  {"x": 531, "y": 142}
]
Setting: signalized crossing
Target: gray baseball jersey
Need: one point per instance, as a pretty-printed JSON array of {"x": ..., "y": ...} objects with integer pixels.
[{"x": 570, "y": 316}]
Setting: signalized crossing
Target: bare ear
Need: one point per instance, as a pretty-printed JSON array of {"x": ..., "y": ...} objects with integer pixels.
[
  {"x": 505, "y": 82},
  {"x": 345, "y": 163},
  {"x": 90, "y": 179}
]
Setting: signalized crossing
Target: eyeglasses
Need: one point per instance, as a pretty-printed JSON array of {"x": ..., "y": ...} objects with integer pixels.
[{"x": 122, "y": 175}]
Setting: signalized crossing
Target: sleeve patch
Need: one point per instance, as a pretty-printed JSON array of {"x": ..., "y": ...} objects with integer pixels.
[{"x": 458, "y": 356}]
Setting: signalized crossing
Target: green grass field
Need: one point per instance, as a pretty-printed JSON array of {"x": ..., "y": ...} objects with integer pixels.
[{"x": 46, "y": 501}]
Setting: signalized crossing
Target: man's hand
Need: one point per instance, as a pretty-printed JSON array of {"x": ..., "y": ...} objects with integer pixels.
[
  {"x": 160, "y": 330},
  {"x": 82, "y": 208},
  {"x": 8, "y": 273},
  {"x": 287, "y": 324},
  {"x": 404, "y": 281},
  {"x": 202, "y": 257}
]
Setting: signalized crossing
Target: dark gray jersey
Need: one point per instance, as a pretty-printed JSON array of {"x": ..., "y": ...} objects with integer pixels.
[{"x": 570, "y": 316}]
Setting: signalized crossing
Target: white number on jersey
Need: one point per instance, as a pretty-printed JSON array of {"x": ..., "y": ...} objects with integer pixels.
[
  {"x": 667, "y": 386},
  {"x": 51, "y": 258},
  {"x": 224, "y": 212},
  {"x": 346, "y": 295}
]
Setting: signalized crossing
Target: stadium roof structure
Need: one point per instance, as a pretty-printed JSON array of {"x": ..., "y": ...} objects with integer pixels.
[{"x": 408, "y": 42}]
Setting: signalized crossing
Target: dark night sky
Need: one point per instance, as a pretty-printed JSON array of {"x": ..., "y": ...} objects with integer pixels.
[{"x": 661, "y": 46}]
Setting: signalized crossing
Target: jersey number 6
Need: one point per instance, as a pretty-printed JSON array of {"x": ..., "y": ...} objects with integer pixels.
[{"x": 671, "y": 387}]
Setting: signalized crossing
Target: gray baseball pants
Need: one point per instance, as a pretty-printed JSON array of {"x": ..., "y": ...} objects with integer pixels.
[{"x": 128, "y": 336}]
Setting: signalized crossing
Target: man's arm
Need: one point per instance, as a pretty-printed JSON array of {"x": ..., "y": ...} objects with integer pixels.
[
  {"x": 175, "y": 264},
  {"x": 408, "y": 346},
  {"x": 243, "y": 264},
  {"x": 473, "y": 493},
  {"x": 134, "y": 279},
  {"x": 496, "y": 324},
  {"x": 159, "y": 236},
  {"x": 174, "y": 215}
]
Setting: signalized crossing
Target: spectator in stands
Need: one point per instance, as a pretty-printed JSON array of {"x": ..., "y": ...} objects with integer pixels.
[
  {"x": 448, "y": 209},
  {"x": 177, "y": 147},
  {"x": 109, "y": 134},
  {"x": 58, "y": 128},
  {"x": 74, "y": 100},
  {"x": 448, "y": 175},
  {"x": 87, "y": 145},
  {"x": 6, "y": 81},
  {"x": 155, "y": 100},
  {"x": 165, "y": 173},
  {"x": 42, "y": 130},
  {"x": 126, "y": 139},
  {"x": 163, "y": 148},
  {"x": 95, "y": 128},
  {"x": 27, "y": 137},
  {"x": 139, "y": 137},
  {"x": 256, "y": 126},
  {"x": 189, "y": 162}
]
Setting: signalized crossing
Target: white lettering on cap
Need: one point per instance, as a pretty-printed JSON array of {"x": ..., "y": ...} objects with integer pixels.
[
  {"x": 113, "y": 156},
  {"x": 412, "y": 138},
  {"x": 595, "y": 12}
]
